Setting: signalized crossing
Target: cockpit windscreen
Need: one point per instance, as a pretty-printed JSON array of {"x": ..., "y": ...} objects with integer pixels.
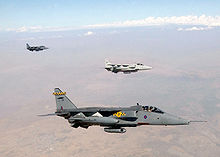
[
  {"x": 139, "y": 64},
  {"x": 152, "y": 109}
]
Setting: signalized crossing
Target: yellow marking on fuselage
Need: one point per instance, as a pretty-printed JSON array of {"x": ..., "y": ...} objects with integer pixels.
[
  {"x": 59, "y": 93},
  {"x": 119, "y": 114}
]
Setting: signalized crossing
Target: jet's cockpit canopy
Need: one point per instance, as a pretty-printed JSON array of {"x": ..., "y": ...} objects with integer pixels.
[
  {"x": 152, "y": 109},
  {"x": 140, "y": 64}
]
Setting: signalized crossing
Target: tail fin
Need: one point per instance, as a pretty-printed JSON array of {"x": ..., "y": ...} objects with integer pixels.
[
  {"x": 107, "y": 62},
  {"x": 62, "y": 101},
  {"x": 27, "y": 45}
]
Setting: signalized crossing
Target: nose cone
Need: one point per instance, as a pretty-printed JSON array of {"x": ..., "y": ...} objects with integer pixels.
[
  {"x": 174, "y": 120},
  {"x": 147, "y": 67}
]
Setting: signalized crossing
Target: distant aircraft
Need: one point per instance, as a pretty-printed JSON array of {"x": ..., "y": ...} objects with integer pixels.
[
  {"x": 125, "y": 68},
  {"x": 113, "y": 119},
  {"x": 36, "y": 48}
]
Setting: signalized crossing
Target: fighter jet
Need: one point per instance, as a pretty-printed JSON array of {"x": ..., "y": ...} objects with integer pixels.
[
  {"x": 36, "y": 48},
  {"x": 113, "y": 119},
  {"x": 125, "y": 68}
]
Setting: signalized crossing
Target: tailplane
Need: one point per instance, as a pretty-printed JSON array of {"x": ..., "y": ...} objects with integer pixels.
[{"x": 62, "y": 101}]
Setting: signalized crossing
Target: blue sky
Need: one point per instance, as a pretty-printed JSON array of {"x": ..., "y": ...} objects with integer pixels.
[{"x": 57, "y": 13}]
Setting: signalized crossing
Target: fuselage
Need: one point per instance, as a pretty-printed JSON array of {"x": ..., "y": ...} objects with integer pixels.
[
  {"x": 126, "y": 68},
  {"x": 36, "y": 48},
  {"x": 121, "y": 117}
]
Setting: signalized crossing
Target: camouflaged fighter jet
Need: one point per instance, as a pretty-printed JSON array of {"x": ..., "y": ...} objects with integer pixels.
[
  {"x": 125, "y": 68},
  {"x": 113, "y": 119},
  {"x": 36, "y": 48}
]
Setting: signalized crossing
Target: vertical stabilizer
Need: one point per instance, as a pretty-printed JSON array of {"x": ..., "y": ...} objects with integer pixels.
[
  {"x": 27, "y": 45},
  {"x": 62, "y": 101},
  {"x": 106, "y": 62}
]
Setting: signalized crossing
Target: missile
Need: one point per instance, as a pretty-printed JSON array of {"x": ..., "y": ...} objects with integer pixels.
[{"x": 112, "y": 130}]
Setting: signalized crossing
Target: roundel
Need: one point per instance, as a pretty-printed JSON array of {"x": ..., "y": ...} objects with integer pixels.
[{"x": 145, "y": 116}]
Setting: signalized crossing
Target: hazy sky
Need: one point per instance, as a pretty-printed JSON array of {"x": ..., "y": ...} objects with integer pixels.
[{"x": 15, "y": 14}]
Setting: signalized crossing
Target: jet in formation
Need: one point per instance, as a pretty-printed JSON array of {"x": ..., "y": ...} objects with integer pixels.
[
  {"x": 113, "y": 119},
  {"x": 125, "y": 68},
  {"x": 36, "y": 48}
]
